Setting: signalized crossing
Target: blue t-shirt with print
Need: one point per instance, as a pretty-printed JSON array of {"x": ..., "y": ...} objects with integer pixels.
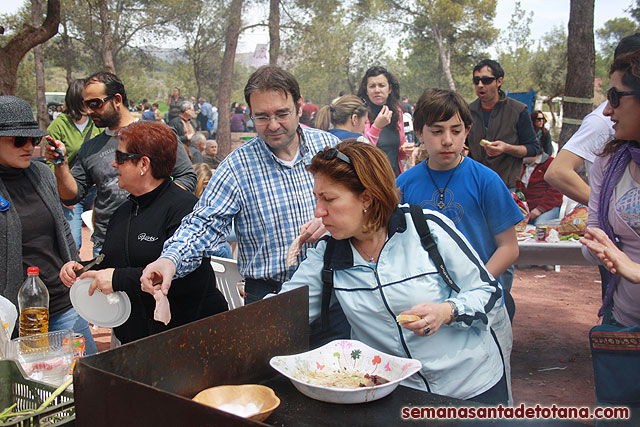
[{"x": 476, "y": 200}]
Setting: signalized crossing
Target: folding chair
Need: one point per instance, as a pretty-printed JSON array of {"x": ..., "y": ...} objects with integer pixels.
[{"x": 227, "y": 278}]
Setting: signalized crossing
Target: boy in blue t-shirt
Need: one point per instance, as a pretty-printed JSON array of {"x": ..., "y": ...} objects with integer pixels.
[{"x": 469, "y": 193}]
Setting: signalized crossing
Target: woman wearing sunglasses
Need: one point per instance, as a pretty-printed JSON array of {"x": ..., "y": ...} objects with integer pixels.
[
  {"x": 32, "y": 226},
  {"x": 144, "y": 160},
  {"x": 381, "y": 270},
  {"x": 542, "y": 134},
  {"x": 615, "y": 188},
  {"x": 380, "y": 90}
]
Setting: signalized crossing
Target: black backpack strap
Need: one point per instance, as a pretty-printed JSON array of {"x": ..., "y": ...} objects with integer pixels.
[
  {"x": 327, "y": 283},
  {"x": 420, "y": 222}
]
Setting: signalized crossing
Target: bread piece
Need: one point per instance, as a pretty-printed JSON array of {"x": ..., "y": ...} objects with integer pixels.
[
  {"x": 484, "y": 142},
  {"x": 403, "y": 318}
]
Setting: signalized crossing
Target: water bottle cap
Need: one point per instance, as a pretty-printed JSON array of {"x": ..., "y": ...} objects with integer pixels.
[{"x": 33, "y": 271}]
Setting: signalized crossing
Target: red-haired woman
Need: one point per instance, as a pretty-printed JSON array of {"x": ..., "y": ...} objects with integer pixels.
[{"x": 144, "y": 159}]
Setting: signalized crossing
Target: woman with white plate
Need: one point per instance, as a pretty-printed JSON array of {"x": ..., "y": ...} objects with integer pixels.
[{"x": 144, "y": 159}]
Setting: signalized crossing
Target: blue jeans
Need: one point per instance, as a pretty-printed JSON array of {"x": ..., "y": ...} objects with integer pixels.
[
  {"x": 74, "y": 218},
  {"x": 70, "y": 319},
  {"x": 553, "y": 213}
]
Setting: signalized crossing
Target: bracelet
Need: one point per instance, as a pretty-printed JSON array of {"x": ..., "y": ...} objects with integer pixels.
[{"x": 454, "y": 312}]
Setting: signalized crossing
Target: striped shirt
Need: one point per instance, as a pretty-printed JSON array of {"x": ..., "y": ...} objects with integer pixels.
[{"x": 269, "y": 201}]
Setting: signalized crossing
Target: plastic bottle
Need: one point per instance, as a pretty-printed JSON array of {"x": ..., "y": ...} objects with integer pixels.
[{"x": 33, "y": 299}]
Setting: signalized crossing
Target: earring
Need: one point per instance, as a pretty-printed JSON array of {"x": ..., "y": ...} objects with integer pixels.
[
  {"x": 141, "y": 173},
  {"x": 364, "y": 211}
]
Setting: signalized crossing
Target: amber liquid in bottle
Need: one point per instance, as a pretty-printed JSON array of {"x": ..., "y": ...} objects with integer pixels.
[{"x": 34, "y": 320}]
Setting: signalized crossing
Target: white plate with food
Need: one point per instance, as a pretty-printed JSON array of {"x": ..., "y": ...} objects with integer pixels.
[
  {"x": 345, "y": 371},
  {"x": 107, "y": 311}
]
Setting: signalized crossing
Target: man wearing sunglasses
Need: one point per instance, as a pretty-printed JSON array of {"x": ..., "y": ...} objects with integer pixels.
[
  {"x": 105, "y": 100},
  {"x": 504, "y": 122},
  {"x": 264, "y": 185}
]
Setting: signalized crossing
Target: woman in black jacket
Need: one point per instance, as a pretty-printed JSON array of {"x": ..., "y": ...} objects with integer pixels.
[{"x": 145, "y": 158}]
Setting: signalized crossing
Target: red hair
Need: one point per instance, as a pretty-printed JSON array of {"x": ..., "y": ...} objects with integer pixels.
[{"x": 154, "y": 140}]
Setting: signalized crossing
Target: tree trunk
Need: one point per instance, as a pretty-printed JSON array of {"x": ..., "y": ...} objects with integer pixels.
[
  {"x": 274, "y": 31},
  {"x": 445, "y": 58},
  {"x": 223, "y": 136},
  {"x": 580, "y": 68},
  {"x": 68, "y": 52},
  {"x": 16, "y": 48},
  {"x": 107, "y": 40},
  {"x": 38, "y": 62}
]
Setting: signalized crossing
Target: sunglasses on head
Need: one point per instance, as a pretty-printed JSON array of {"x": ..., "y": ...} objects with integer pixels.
[
  {"x": 614, "y": 95},
  {"x": 96, "y": 103},
  {"x": 122, "y": 157},
  {"x": 21, "y": 141},
  {"x": 485, "y": 80},
  {"x": 332, "y": 153}
]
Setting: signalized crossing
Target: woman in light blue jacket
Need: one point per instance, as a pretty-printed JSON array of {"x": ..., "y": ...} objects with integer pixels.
[{"x": 381, "y": 270}]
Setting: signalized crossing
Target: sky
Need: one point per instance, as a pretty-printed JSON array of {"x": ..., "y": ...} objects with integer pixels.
[{"x": 547, "y": 14}]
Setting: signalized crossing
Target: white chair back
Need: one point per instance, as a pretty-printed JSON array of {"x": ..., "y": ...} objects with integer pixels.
[
  {"x": 227, "y": 278},
  {"x": 87, "y": 218}
]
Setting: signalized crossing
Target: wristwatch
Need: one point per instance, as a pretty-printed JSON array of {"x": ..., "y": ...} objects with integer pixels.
[{"x": 454, "y": 312}]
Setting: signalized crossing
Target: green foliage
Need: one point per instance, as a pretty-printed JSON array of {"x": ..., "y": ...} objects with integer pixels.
[
  {"x": 613, "y": 31},
  {"x": 549, "y": 64},
  {"x": 514, "y": 53},
  {"x": 444, "y": 39},
  {"x": 330, "y": 49}
]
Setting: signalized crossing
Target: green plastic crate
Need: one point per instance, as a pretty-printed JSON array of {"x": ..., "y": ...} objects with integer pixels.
[{"x": 15, "y": 387}]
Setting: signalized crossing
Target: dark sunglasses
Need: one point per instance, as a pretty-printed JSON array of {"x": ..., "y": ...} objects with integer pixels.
[
  {"x": 484, "y": 80},
  {"x": 21, "y": 141},
  {"x": 96, "y": 103},
  {"x": 539, "y": 118},
  {"x": 122, "y": 157},
  {"x": 332, "y": 153},
  {"x": 614, "y": 95}
]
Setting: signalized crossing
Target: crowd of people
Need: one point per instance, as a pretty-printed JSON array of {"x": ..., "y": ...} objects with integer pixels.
[{"x": 421, "y": 226}]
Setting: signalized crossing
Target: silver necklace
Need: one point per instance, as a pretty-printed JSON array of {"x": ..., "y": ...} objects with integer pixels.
[
  {"x": 440, "y": 203},
  {"x": 371, "y": 259}
]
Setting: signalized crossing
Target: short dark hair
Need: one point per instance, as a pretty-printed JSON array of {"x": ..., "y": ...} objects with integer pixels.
[
  {"x": 439, "y": 105},
  {"x": 271, "y": 77},
  {"x": 495, "y": 67},
  {"x": 74, "y": 101},
  {"x": 369, "y": 171},
  {"x": 393, "y": 101},
  {"x": 154, "y": 140},
  {"x": 112, "y": 83}
]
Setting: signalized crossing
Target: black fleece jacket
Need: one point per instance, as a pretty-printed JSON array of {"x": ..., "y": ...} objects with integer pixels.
[{"x": 137, "y": 230}]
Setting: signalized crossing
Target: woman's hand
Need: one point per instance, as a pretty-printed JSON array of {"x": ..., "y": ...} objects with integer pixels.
[
  {"x": 616, "y": 261},
  {"x": 68, "y": 273},
  {"x": 384, "y": 117},
  {"x": 432, "y": 317},
  {"x": 102, "y": 280},
  {"x": 312, "y": 231}
]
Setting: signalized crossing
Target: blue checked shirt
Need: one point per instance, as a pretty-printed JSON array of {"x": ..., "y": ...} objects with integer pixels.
[{"x": 269, "y": 201}]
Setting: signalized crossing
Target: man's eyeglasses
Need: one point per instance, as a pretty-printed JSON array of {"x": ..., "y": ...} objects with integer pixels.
[
  {"x": 96, "y": 103},
  {"x": 122, "y": 157},
  {"x": 265, "y": 120},
  {"x": 332, "y": 153},
  {"x": 21, "y": 141},
  {"x": 614, "y": 95},
  {"x": 485, "y": 80}
]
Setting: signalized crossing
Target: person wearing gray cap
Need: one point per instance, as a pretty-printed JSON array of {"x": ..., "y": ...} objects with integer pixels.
[{"x": 33, "y": 229}]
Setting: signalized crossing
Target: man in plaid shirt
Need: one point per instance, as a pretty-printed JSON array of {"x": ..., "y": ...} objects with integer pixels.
[{"x": 263, "y": 185}]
